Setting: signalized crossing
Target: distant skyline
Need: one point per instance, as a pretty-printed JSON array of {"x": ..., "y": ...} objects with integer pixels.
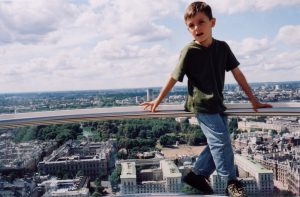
[{"x": 62, "y": 45}]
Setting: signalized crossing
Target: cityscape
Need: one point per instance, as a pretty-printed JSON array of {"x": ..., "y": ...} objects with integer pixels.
[{"x": 122, "y": 157}]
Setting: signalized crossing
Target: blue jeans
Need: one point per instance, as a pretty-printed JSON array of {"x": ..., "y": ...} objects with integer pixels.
[{"x": 218, "y": 155}]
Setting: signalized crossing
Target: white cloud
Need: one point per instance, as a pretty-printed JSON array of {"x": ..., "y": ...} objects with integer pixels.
[
  {"x": 50, "y": 41},
  {"x": 28, "y": 21},
  {"x": 267, "y": 59},
  {"x": 269, "y": 4},
  {"x": 250, "y": 46},
  {"x": 115, "y": 49},
  {"x": 135, "y": 20},
  {"x": 234, "y": 6},
  {"x": 289, "y": 35},
  {"x": 285, "y": 60},
  {"x": 58, "y": 45}
]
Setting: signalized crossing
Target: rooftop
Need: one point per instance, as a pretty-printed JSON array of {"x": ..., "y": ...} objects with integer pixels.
[
  {"x": 128, "y": 170},
  {"x": 170, "y": 169},
  {"x": 252, "y": 164}
]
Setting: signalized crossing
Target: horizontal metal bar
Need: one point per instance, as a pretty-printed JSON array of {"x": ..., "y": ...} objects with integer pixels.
[{"x": 93, "y": 114}]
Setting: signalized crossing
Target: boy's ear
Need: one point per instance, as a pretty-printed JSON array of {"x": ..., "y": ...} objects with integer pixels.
[{"x": 213, "y": 22}]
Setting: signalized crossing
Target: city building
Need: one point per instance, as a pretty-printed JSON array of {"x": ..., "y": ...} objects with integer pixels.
[
  {"x": 128, "y": 178},
  {"x": 22, "y": 156},
  {"x": 278, "y": 165},
  {"x": 18, "y": 187},
  {"x": 262, "y": 176},
  {"x": 92, "y": 166},
  {"x": 273, "y": 143},
  {"x": 65, "y": 188},
  {"x": 256, "y": 179},
  {"x": 219, "y": 185},
  {"x": 92, "y": 159},
  {"x": 165, "y": 178},
  {"x": 277, "y": 124},
  {"x": 293, "y": 177},
  {"x": 149, "y": 94}
]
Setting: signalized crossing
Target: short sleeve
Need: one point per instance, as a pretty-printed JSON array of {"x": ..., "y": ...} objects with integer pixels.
[
  {"x": 231, "y": 62},
  {"x": 180, "y": 69}
]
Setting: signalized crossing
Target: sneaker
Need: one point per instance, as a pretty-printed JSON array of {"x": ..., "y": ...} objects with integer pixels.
[
  {"x": 235, "y": 188},
  {"x": 199, "y": 182}
]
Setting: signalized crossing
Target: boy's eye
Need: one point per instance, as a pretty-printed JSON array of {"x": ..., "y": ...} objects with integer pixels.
[{"x": 191, "y": 25}]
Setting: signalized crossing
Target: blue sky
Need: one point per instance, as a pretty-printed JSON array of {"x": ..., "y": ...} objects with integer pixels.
[{"x": 104, "y": 44}]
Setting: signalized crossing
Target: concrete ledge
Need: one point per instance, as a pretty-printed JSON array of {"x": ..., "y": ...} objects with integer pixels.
[{"x": 113, "y": 113}]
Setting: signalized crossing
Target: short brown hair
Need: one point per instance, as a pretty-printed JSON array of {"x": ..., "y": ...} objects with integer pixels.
[{"x": 198, "y": 6}]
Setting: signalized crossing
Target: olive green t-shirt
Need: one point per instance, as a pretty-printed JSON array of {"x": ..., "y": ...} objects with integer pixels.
[{"x": 205, "y": 69}]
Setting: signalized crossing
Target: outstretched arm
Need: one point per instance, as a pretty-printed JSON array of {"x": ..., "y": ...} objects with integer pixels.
[
  {"x": 240, "y": 78},
  {"x": 164, "y": 91}
]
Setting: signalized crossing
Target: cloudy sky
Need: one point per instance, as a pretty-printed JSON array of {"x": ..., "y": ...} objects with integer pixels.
[{"x": 49, "y": 45}]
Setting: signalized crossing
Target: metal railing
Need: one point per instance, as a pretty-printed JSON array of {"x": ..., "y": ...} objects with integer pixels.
[{"x": 112, "y": 113}]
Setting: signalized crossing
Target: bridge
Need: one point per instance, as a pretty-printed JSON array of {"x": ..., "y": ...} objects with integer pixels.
[{"x": 113, "y": 113}]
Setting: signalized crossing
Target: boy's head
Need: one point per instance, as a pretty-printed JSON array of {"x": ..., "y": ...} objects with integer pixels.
[
  {"x": 196, "y": 7},
  {"x": 199, "y": 20}
]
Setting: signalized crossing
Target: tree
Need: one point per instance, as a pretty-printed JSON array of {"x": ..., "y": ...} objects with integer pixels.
[
  {"x": 122, "y": 155},
  {"x": 167, "y": 140},
  {"x": 196, "y": 138},
  {"x": 61, "y": 133},
  {"x": 26, "y": 134},
  {"x": 63, "y": 136},
  {"x": 114, "y": 178},
  {"x": 143, "y": 134}
]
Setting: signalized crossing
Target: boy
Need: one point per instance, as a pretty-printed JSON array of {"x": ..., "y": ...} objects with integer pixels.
[{"x": 205, "y": 61}]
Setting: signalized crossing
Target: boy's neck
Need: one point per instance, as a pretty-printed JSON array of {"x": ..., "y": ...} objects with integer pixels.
[{"x": 206, "y": 43}]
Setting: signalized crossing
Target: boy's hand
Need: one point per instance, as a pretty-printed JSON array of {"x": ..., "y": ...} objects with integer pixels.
[
  {"x": 257, "y": 105},
  {"x": 152, "y": 104}
]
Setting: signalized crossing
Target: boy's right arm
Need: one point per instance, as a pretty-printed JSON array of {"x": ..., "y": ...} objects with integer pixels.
[
  {"x": 240, "y": 78},
  {"x": 164, "y": 91}
]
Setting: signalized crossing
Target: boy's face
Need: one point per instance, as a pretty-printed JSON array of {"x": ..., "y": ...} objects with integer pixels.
[{"x": 201, "y": 28}]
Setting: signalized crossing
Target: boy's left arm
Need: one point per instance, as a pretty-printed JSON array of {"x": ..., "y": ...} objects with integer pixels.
[{"x": 240, "y": 78}]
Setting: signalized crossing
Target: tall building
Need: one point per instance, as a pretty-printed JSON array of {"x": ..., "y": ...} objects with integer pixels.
[
  {"x": 262, "y": 176},
  {"x": 128, "y": 178},
  {"x": 219, "y": 185},
  {"x": 256, "y": 178},
  {"x": 165, "y": 178},
  {"x": 137, "y": 100},
  {"x": 149, "y": 94},
  {"x": 294, "y": 177}
]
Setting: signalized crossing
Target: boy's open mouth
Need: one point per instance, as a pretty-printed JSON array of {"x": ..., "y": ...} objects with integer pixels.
[{"x": 199, "y": 34}]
